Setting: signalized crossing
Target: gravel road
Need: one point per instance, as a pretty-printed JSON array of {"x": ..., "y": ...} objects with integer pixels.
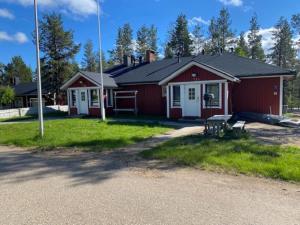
[{"x": 88, "y": 188}]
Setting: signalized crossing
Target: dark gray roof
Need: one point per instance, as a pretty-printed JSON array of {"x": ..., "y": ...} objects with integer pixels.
[
  {"x": 226, "y": 63},
  {"x": 27, "y": 89},
  {"x": 107, "y": 79}
]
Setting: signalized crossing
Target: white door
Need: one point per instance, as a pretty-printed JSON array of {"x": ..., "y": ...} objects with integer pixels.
[
  {"x": 192, "y": 100},
  {"x": 83, "y": 102}
]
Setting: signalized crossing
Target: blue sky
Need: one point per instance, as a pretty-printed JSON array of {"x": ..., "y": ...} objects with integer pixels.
[{"x": 16, "y": 19}]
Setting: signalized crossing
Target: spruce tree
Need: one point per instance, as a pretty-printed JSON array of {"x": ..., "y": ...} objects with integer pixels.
[
  {"x": 17, "y": 69},
  {"x": 180, "y": 41},
  {"x": 198, "y": 39},
  {"x": 59, "y": 50},
  {"x": 89, "y": 62},
  {"x": 283, "y": 52},
  {"x": 142, "y": 41},
  {"x": 213, "y": 33},
  {"x": 254, "y": 40},
  {"x": 242, "y": 47},
  {"x": 223, "y": 27},
  {"x": 123, "y": 44},
  {"x": 152, "y": 41}
]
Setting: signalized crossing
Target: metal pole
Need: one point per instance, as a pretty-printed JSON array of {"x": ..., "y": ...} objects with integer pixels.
[
  {"x": 100, "y": 63},
  {"x": 39, "y": 83}
]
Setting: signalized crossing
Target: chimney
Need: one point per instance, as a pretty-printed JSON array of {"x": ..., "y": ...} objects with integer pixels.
[
  {"x": 150, "y": 56},
  {"x": 127, "y": 60}
]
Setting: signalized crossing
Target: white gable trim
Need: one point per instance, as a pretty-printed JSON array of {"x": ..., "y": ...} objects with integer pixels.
[
  {"x": 189, "y": 65},
  {"x": 74, "y": 78}
]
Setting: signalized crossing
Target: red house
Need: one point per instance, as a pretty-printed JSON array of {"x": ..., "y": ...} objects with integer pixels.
[{"x": 175, "y": 88}]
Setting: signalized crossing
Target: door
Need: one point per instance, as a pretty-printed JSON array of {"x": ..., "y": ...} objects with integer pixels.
[
  {"x": 192, "y": 100},
  {"x": 83, "y": 102}
]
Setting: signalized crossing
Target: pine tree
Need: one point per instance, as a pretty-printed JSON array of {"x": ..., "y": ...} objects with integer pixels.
[
  {"x": 223, "y": 26},
  {"x": 283, "y": 53},
  {"x": 198, "y": 39},
  {"x": 180, "y": 41},
  {"x": 254, "y": 39},
  {"x": 58, "y": 50},
  {"x": 242, "y": 47},
  {"x": 142, "y": 41},
  {"x": 89, "y": 62},
  {"x": 18, "y": 70}
]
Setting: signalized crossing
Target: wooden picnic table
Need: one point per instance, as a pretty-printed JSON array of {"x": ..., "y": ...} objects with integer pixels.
[{"x": 215, "y": 124}]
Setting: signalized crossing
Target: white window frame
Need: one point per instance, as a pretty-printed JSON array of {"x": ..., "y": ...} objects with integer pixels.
[
  {"x": 111, "y": 98},
  {"x": 90, "y": 98},
  {"x": 220, "y": 96},
  {"x": 172, "y": 95},
  {"x": 71, "y": 100}
]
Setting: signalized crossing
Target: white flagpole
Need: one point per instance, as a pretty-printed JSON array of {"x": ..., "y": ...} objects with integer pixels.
[
  {"x": 39, "y": 83},
  {"x": 100, "y": 63}
]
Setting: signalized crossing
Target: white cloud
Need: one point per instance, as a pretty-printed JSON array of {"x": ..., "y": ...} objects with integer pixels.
[
  {"x": 77, "y": 7},
  {"x": 6, "y": 14},
  {"x": 18, "y": 37},
  {"x": 196, "y": 20},
  {"x": 232, "y": 2}
]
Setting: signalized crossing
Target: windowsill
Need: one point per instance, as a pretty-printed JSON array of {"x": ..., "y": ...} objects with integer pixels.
[
  {"x": 175, "y": 107},
  {"x": 213, "y": 107}
]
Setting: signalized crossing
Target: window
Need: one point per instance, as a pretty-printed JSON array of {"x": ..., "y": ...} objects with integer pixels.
[
  {"x": 82, "y": 96},
  {"x": 73, "y": 98},
  {"x": 109, "y": 97},
  {"x": 215, "y": 90},
  {"x": 94, "y": 97},
  {"x": 192, "y": 94},
  {"x": 176, "y": 96}
]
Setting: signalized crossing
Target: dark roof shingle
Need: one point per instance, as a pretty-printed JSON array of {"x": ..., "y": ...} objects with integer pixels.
[{"x": 227, "y": 63}]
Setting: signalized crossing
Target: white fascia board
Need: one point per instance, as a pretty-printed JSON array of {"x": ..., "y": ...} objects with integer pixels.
[{"x": 210, "y": 69}]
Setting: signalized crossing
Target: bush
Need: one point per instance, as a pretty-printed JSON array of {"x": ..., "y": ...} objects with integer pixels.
[{"x": 7, "y": 95}]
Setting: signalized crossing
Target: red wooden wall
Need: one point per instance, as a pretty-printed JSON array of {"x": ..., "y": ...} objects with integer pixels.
[
  {"x": 149, "y": 99},
  {"x": 257, "y": 95}
]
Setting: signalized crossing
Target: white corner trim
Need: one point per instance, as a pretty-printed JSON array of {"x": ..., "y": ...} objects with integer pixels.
[
  {"x": 168, "y": 101},
  {"x": 226, "y": 94},
  {"x": 193, "y": 63},
  {"x": 281, "y": 97}
]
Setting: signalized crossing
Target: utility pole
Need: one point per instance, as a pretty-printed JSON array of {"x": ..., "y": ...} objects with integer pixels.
[
  {"x": 39, "y": 83},
  {"x": 100, "y": 64}
]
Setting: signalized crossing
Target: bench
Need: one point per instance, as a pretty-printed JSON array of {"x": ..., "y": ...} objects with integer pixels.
[{"x": 239, "y": 127}]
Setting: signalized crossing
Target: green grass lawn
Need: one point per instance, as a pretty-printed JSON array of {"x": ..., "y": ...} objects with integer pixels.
[
  {"x": 243, "y": 155},
  {"x": 89, "y": 134}
]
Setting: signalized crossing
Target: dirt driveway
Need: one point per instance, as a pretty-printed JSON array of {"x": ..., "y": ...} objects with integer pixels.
[
  {"x": 89, "y": 188},
  {"x": 277, "y": 135}
]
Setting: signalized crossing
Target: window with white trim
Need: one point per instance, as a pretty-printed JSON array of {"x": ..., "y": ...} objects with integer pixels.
[
  {"x": 73, "y": 98},
  {"x": 94, "y": 97},
  {"x": 109, "y": 97},
  {"x": 176, "y": 96},
  {"x": 213, "y": 88}
]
